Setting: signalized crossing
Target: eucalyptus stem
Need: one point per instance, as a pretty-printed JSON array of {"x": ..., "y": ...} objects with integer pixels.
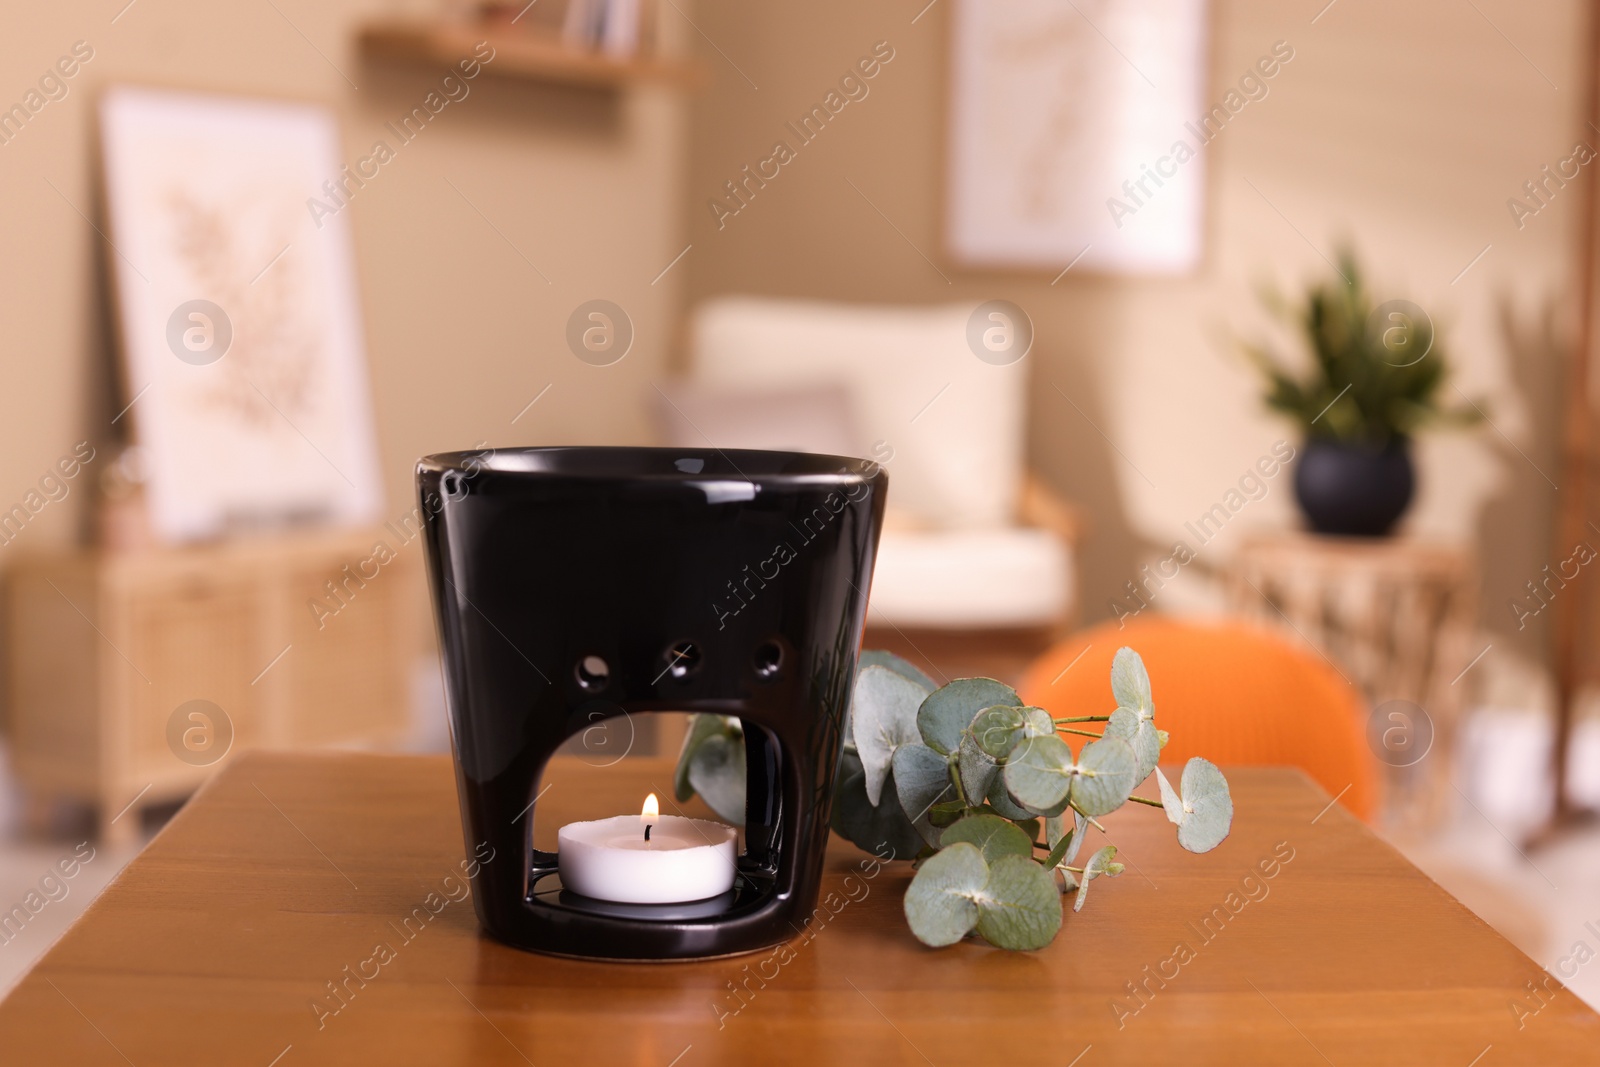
[
  {"x": 955, "y": 779},
  {"x": 1146, "y": 801},
  {"x": 1080, "y": 733},
  {"x": 1086, "y": 718}
]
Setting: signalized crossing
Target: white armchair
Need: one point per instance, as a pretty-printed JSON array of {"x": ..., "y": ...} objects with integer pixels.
[{"x": 972, "y": 540}]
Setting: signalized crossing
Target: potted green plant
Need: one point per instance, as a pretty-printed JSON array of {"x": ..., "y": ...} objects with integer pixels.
[{"x": 1374, "y": 382}]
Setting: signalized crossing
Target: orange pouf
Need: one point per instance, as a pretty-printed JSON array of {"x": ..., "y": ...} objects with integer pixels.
[{"x": 1230, "y": 692}]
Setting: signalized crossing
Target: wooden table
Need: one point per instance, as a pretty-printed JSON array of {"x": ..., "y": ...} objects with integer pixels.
[{"x": 216, "y": 944}]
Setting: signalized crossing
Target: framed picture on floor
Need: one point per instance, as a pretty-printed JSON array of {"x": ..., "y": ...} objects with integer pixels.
[{"x": 237, "y": 311}]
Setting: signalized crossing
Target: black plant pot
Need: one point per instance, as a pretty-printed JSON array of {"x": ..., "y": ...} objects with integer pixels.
[{"x": 1352, "y": 489}]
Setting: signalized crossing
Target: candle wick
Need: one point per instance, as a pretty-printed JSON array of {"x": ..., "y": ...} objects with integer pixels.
[{"x": 647, "y": 831}]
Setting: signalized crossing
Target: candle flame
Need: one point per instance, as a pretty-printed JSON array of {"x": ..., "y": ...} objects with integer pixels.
[{"x": 652, "y": 809}]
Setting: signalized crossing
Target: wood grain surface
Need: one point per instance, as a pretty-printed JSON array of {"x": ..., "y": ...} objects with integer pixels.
[{"x": 1303, "y": 939}]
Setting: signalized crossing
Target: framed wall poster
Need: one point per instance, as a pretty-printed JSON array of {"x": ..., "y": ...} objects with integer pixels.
[
  {"x": 1058, "y": 115},
  {"x": 238, "y": 312}
]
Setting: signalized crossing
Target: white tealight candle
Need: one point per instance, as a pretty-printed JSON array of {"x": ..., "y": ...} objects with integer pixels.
[{"x": 648, "y": 858}]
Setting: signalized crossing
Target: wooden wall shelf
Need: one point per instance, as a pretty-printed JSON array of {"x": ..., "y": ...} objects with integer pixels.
[{"x": 522, "y": 54}]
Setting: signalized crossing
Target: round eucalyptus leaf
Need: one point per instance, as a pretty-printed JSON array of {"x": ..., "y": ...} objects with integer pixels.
[
  {"x": 1036, "y": 722},
  {"x": 1099, "y": 864},
  {"x": 875, "y": 658},
  {"x": 1040, "y": 773},
  {"x": 998, "y": 729},
  {"x": 978, "y": 769},
  {"x": 921, "y": 779},
  {"x": 1056, "y": 831},
  {"x": 941, "y": 901},
  {"x": 1102, "y": 777},
  {"x": 1058, "y": 854},
  {"x": 1171, "y": 802},
  {"x": 948, "y": 813},
  {"x": 1130, "y": 683},
  {"x": 1054, "y": 809},
  {"x": 701, "y": 727},
  {"x": 948, "y": 711},
  {"x": 878, "y": 828},
  {"x": 1000, "y": 800},
  {"x": 1207, "y": 806},
  {"x": 994, "y": 836},
  {"x": 1020, "y": 908},
  {"x": 1102, "y": 863},
  {"x": 1080, "y": 833},
  {"x": 716, "y": 771},
  {"x": 885, "y": 712},
  {"x": 1141, "y": 736}
]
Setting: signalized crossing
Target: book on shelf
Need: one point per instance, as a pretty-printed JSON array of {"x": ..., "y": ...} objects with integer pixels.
[{"x": 611, "y": 26}]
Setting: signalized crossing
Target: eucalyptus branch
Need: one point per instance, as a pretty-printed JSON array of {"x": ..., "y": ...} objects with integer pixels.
[{"x": 985, "y": 768}]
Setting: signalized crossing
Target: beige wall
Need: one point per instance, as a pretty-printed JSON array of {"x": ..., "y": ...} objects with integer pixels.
[
  {"x": 1403, "y": 127},
  {"x": 461, "y": 332}
]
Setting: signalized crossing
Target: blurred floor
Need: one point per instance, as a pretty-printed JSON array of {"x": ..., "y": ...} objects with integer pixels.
[
  {"x": 1540, "y": 902},
  {"x": 25, "y": 866},
  {"x": 1543, "y": 899}
]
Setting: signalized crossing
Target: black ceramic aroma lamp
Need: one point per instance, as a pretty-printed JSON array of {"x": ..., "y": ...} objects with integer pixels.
[{"x": 573, "y": 585}]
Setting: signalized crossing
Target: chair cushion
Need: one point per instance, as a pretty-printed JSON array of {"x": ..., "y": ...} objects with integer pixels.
[
  {"x": 970, "y": 579},
  {"x": 946, "y": 425},
  {"x": 810, "y": 419}
]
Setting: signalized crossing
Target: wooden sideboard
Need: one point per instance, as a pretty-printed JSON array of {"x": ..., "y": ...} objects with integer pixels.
[{"x": 132, "y": 676}]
